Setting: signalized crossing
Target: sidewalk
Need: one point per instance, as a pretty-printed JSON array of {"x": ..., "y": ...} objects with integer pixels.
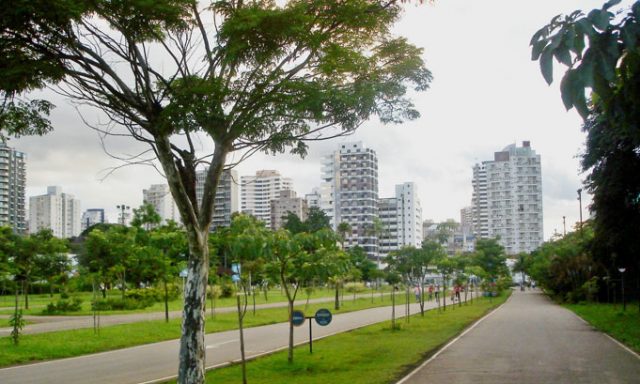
[{"x": 530, "y": 340}]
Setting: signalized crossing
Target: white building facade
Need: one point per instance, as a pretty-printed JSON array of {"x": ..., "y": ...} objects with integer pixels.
[
  {"x": 12, "y": 188},
  {"x": 226, "y": 201},
  {"x": 257, "y": 192},
  {"x": 57, "y": 211},
  {"x": 92, "y": 217},
  {"x": 159, "y": 196},
  {"x": 349, "y": 193},
  {"x": 401, "y": 218},
  {"x": 507, "y": 199}
]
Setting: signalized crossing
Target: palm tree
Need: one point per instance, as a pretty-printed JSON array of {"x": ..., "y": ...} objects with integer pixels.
[{"x": 344, "y": 228}]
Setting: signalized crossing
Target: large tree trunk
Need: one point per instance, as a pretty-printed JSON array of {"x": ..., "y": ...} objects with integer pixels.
[{"x": 192, "y": 348}]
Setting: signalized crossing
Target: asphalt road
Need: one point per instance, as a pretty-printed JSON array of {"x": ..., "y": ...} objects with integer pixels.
[
  {"x": 152, "y": 362},
  {"x": 530, "y": 340},
  {"x": 43, "y": 324}
]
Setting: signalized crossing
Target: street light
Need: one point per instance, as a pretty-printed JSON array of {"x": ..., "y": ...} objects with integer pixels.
[
  {"x": 580, "y": 202},
  {"x": 624, "y": 303},
  {"x": 122, "y": 208}
]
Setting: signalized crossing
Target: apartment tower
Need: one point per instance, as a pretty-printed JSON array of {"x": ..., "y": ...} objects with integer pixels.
[
  {"x": 349, "y": 193},
  {"x": 12, "y": 188},
  {"x": 507, "y": 198}
]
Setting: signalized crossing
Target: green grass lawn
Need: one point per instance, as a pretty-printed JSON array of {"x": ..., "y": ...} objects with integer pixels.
[
  {"x": 369, "y": 355},
  {"x": 624, "y": 326},
  {"x": 38, "y": 302},
  {"x": 61, "y": 344}
]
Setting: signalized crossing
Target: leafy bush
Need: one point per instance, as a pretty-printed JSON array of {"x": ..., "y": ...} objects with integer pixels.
[
  {"x": 357, "y": 287},
  {"x": 117, "y": 304},
  {"x": 63, "y": 306},
  {"x": 215, "y": 290},
  {"x": 227, "y": 290}
]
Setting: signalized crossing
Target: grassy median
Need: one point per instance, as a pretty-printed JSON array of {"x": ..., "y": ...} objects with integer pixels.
[
  {"x": 369, "y": 355},
  {"x": 624, "y": 326},
  {"x": 54, "y": 345}
]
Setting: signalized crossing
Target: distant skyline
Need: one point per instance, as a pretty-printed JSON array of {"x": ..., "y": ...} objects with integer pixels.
[{"x": 486, "y": 94}]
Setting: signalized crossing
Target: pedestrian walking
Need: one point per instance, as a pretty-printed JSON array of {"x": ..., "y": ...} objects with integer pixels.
[{"x": 416, "y": 291}]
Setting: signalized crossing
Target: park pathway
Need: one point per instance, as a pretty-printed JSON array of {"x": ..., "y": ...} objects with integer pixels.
[{"x": 530, "y": 340}]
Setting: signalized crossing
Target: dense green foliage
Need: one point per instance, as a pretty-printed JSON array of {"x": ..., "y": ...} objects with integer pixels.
[
  {"x": 602, "y": 52},
  {"x": 565, "y": 268}
]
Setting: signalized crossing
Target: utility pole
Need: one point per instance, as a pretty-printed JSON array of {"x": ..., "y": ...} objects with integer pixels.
[{"x": 564, "y": 226}]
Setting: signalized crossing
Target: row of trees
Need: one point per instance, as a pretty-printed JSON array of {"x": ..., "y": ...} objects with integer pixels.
[
  {"x": 568, "y": 268},
  {"x": 413, "y": 266}
]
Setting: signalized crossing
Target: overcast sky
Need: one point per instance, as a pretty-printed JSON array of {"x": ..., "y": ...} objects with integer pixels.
[{"x": 486, "y": 94}]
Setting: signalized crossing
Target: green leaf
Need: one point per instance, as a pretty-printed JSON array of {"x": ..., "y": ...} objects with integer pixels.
[
  {"x": 600, "y": 18},
  {"x": 566, "y": 89},
  {"x": 546, "y": 65},
  {"x": 537, "y": 48},
  {"x": 563, "y": 56}
]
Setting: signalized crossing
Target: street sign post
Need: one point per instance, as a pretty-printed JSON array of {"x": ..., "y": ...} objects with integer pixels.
[
  {"x": 297, "y": 318},
  {"x": 323, "y": 317}
]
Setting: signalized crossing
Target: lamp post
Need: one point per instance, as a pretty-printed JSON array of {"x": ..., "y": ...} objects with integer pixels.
[
  {"x": 122, "y": 208},
  {"x": 580, "y": 203},
  {"x": 624, "y": 303}
]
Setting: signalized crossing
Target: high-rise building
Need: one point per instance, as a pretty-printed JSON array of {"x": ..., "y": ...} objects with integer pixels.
[
  {"x": 226, "y": 199},
  {"x": 159, "y": 196},
  {"x": 57, "y": 211},
  {"x": 401, "y": 218},
  {"x": 91, "y": 217},
  {"x": 466, "y": 220},
  {"x": 349, "y": 193},
  {"x": 507, "y": 198},
  {"x": 286, "y": 202},
  {"x": 313, "y": 198},
  {"x": 258, "y": 191},
  {"x": 12, "y": 188}
]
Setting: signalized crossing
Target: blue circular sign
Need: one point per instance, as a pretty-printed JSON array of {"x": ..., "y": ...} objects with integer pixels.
[
  {"x": 323, "y": 317},
  {"x": 297, "y": 318}
]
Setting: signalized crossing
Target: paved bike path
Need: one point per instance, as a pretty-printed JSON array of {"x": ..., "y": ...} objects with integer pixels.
[{"x": 530, "y": 340}]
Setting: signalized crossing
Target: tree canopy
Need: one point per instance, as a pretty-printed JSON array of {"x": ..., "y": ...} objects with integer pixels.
[
  {"x": 601, "y": 52},
  {"x": 224, "y": 76}
]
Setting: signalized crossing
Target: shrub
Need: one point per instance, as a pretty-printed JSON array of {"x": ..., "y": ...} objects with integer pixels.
[
  {"x": 117, "y": 304},
  {"x": 215, "y": 289},
  {"x": 355, "y": 287},
  {"x": 227, "y": 290},
  {"x": 63, "y": 306}
]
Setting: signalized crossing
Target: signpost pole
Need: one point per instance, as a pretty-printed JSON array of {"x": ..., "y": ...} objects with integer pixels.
[{"x": 310, "y": 337}]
